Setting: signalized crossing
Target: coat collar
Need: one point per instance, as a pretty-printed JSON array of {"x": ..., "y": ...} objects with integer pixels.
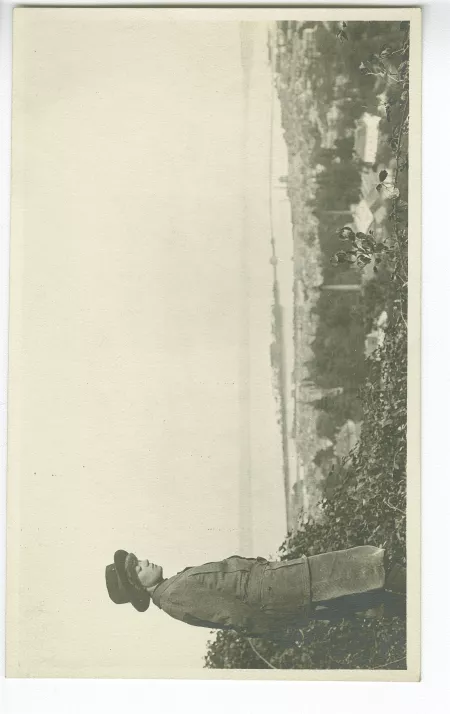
[
  {"x": 158, "y": 591},
  {"x": 162, "y": 587}
]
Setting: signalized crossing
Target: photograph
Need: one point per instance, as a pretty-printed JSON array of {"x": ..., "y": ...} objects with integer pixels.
[{"x": 214, "y": 344}]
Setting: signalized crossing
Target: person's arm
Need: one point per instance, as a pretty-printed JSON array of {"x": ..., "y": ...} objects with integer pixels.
[{"x": 218, "y": 611}]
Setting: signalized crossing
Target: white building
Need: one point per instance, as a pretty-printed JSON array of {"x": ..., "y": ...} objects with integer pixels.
[{"x": 366, "y": 137}]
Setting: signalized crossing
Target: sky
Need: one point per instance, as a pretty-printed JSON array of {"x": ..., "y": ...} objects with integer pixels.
[{"x": 141, "y": 405}]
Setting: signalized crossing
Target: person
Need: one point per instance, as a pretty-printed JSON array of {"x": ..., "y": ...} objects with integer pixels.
[{"x": 260, "y": 598}]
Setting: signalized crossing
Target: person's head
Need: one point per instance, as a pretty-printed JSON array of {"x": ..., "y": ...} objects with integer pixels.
[
  {"x": 149, "y": 574},
  {"x": 130, "y": 580}
]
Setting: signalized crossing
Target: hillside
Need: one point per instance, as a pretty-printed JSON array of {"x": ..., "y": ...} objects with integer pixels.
[{"x": 361, "y": 498}]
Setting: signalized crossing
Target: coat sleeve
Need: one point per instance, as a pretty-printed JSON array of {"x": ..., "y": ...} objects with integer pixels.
[{"x": 219, "y": 611}]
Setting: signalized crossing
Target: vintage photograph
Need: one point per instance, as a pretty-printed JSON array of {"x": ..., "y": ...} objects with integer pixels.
[{"x": 213, "y": 464}]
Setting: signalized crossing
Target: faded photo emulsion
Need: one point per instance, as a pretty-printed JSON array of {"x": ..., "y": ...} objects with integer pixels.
[{"x": 213, "y": 440}]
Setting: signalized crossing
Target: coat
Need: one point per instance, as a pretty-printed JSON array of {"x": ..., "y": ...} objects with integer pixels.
[{"x": 252, "y": 596}]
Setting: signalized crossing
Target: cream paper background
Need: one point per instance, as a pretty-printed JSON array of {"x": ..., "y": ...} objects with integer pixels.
[{"x": 83, "y": 287}]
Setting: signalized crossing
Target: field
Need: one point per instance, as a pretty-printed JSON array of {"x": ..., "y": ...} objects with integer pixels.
[{"x": 361, "y": 498}]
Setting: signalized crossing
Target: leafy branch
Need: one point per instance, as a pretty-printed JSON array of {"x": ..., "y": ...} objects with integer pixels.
[{"x": 363, "y": 248}]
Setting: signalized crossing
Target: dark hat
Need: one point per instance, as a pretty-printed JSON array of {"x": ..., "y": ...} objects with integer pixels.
[{"x": 123, "y": 584}]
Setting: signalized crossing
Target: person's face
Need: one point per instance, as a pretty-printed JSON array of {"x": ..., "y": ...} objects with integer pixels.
[{"x": 148, "y": 573}]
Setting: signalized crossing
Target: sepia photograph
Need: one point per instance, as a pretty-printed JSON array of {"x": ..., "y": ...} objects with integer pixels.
[{"x": 214, "y": 344}]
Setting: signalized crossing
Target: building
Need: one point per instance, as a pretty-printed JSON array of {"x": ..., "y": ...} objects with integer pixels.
[
  {"x": 362, "y": 216},
  {"x": 347, "y": 438},
  {"x": 366, "y": 137}
]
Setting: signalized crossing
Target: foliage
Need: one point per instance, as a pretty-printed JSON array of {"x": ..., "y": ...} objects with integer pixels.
[
  {"x": 368, "y": 496},
  {"x": 363, "y": 247}
]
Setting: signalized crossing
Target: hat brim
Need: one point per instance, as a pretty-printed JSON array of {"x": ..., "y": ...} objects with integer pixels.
[{"x": 139, "y": 600}]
